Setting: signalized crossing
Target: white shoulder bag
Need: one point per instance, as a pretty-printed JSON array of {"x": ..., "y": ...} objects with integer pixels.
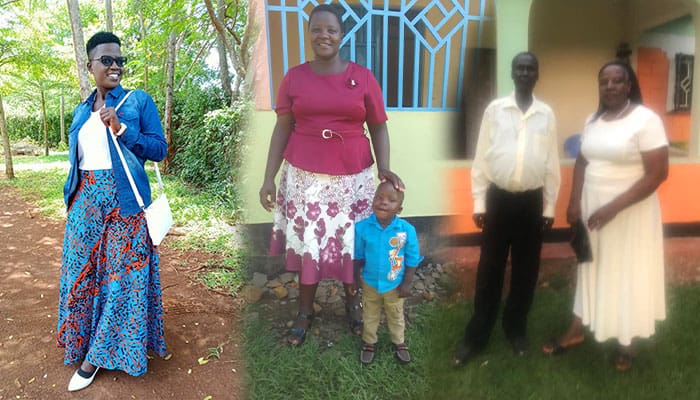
[{"x": 159, "y": 218}]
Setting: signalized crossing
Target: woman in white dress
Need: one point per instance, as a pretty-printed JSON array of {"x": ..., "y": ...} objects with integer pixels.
[{"x": 623, "y": 160}]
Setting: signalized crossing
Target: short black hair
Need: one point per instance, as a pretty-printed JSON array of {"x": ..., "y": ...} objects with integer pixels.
[
  {"x": 522, "y": 54},
  {"x": 399, "y": 193},
  {"x": 331, "y": 8},
  {"x": 101, "y": 38}
]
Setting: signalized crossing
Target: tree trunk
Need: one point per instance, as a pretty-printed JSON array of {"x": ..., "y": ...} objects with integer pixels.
[
  {"x": 246, "y": 44},
  {"x": 64, "y": 143},
  {"x": 220, "y": 26},
  {"x": 239, "y": 60},
  {"x": 79, "y": 48},
  {"x": 9, "y": 170},
  {"x": 108, "y": 16},
  {"x": 224, "y": 74},
  {"x": 142, "y": 22},
  {"x": 169, "y": 90},
  {"x": 43, "y": 122}
]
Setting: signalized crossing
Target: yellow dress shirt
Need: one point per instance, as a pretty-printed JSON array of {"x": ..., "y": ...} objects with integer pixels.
[{"x": 517, "y": 151}]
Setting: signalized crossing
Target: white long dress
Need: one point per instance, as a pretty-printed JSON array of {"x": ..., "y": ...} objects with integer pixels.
[{"x": 620, "y": 294}]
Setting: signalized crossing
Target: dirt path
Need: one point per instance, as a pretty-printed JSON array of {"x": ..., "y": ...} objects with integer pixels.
[{"x": 31, "y": 366}]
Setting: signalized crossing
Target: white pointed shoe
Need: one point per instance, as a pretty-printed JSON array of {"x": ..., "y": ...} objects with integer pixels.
[{"x": 81, "y": 380}]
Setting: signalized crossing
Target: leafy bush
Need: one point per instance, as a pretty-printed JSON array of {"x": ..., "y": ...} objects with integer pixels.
[
  {"x": 30, "y": 127},
  {"x": 209, "y": 151}
]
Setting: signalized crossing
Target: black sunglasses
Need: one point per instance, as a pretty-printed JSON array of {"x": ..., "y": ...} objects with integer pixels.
[{"x": 108, "y": 60}]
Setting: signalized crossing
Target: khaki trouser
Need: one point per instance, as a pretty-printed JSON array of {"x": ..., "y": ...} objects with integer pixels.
[{"x": 371, "y": 313}]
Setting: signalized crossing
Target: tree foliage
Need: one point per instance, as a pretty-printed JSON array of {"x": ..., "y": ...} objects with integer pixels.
[{"x": 37, "y": 60}]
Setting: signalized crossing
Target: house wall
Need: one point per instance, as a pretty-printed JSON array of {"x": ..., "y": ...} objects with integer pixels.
[
  {"x": 641, "y": 15},
  {"x": 570, "y": 55},
  {"x": 418, "y": 138},
  {"x": 653, "y": 71},
  {"x": 445, "y": 58},
  {"x": 417, "y": 155},
  {"x": 679, "y": 197}
]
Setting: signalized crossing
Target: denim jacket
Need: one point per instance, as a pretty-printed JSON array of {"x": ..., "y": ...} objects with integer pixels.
[{"x": 143, "y": 140}]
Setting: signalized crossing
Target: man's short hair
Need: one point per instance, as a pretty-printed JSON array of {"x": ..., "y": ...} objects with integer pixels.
[{"x": 525, "y": 53}]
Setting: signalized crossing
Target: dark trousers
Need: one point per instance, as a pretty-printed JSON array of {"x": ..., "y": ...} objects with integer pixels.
[{"x": 513, "y": 223}]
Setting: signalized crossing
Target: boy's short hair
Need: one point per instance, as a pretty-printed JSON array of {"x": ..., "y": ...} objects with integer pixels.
[
  {"x": 99, "y": 38},
  {"x": 391, "y": 185}
]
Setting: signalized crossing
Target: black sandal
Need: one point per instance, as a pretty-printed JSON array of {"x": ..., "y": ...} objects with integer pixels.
[
  {"x": 555, "y": 348},
  {"x": 356, "y": 325},
  {"x": 297, "y": 334},
  {"x": 623, "y": 361},
  {"x": 367, "y": 353}
]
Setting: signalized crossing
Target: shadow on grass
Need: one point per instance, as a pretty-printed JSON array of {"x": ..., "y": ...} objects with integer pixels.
[{"x": 666, "y": 367}]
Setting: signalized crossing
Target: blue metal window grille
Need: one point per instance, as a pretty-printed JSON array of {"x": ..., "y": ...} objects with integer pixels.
[{"x": 416, "y": 49}]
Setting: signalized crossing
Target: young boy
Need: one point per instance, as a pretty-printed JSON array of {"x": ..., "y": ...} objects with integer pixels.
[{"x": 386, "y": 256}]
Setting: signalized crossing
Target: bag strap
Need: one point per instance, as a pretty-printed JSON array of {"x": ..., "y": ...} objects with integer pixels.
[{"x": 130, "y": 178}]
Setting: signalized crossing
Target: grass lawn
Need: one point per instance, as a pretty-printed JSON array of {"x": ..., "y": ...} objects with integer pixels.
[
  {"x": 667, "y": 367},
  {"x": 57, "y": 157}
]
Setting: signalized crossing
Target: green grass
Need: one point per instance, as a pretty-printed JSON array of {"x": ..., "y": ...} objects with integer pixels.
[
  {"x": 40, "y": 159},
  {"x": 43, "y": 188},
  {"x": 205, "y": 220},
  {"x": 666, "y": 368},
  {"x": 228, "y": 275},
  {"x": 316, "y": 371}
]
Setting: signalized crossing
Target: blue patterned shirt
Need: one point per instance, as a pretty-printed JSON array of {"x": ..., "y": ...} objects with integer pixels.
[{"x": 387, "y": 251}]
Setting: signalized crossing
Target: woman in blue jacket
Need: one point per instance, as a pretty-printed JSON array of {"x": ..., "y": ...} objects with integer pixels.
[{"x": 110, "y": 308}]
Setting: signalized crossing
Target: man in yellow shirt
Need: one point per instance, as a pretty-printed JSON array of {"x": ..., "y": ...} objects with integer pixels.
[{"x": 515, "y": 183}]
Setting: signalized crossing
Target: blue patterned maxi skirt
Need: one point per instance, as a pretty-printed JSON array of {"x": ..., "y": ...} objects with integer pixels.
[{"x": 110, "y": 311}]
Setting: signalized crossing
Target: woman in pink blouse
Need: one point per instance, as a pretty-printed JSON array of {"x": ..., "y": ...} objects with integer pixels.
[{"x": 326, "y": 183}]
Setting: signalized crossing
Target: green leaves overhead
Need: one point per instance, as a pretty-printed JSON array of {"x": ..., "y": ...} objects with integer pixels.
[{"x": 36, "y": 46}]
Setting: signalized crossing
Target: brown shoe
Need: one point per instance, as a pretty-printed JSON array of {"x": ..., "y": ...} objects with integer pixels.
[
  {"x": 402, "y": 354},
  {"x": 367, "y": 354}
]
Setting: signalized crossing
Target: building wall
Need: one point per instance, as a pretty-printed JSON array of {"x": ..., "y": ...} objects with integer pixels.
[
  {"x": 640, "y": 15},
  {"x": 418, "y": 138},
  {"x": 571, "y": 53},
  {"x": 445, "y": 58},
  {"x": 417, "y": 155},
  {"x": 653, "y": 71}
]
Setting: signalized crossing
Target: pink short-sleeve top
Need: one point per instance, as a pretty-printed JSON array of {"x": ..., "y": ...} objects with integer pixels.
[{"x": 329, "y": 113}]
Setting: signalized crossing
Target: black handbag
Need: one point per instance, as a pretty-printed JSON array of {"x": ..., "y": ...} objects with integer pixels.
[{"x": 580, "y": 242}]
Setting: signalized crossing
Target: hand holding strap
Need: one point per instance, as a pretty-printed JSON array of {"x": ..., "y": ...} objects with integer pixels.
[{"x": 139, "y": 199}]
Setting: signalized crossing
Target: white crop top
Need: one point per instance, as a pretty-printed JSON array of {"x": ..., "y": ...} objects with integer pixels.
[{"x": 93, "y": 148}]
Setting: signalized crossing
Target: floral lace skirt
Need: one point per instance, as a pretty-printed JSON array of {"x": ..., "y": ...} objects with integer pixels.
[{"x": 314, "y": 221}]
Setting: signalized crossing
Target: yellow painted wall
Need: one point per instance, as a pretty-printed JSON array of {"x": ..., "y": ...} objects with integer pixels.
[
  {"x": 572, "y": 41},
  {"x": 418, "y": 142},
  {"x": 644, "y": 14}
]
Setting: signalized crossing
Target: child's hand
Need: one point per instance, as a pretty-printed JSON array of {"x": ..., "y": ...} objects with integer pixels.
[
  {"x": 407, "y": 282},
  {"x": 405, "y": 288}
]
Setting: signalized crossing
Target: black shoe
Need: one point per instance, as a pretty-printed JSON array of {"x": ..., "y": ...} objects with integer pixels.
[
  {"x": 520, "y": 345},
  {"x": 464, "y": 354}
]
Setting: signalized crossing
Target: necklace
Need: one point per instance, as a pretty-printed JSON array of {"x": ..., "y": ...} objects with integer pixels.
[{"x": 621, "y": 112}]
